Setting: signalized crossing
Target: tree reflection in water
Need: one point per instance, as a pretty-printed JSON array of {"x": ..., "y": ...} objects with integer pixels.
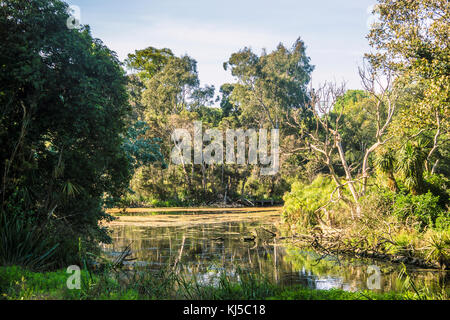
[{"x": 207, "y": 250}]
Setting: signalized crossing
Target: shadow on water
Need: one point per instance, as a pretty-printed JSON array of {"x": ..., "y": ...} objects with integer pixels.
[{"x": 205, "y": 250}]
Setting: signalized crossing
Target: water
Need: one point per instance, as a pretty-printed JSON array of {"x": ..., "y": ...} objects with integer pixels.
[{"x": 208, "y": 244}]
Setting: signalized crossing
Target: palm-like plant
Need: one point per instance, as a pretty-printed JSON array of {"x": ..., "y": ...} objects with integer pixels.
[
  {"x": 439, "y": 248},
  {"x": 385, "y": 162},
  {"x": 411, "y": 165}
]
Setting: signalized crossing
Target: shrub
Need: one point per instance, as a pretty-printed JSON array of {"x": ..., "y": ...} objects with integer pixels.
[
  {"x": 378, "y": 201},
  {"x": 438, "y": 247},
  {"x": 439, "y": 186},
  {"x": 302, "y": 202},
  {"x": 424, "y": 209},
  {"x": 442, "y": 221}
]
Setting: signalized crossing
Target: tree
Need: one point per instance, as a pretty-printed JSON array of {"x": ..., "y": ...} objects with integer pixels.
[
  {"x": 325, "y": 138},
  {"x": 269, "y": 88},
  {"x": 380, "y": 86},
  {"x": 149, "y": 61},
  {"x": 141, "y": 151},
  {"x": 385, "y": 162},
  {"x": 273, "y": 83},
  {"x": 358, "y": 132},
  {"x": 172, "y": 98},
  {"x": 170, "y": 90},
  {"x": 411, "y": 165},
  {"x": 412, "y": 39},
  {"x": 64, "y": 107},
  {"x": 228, "y": 107}
]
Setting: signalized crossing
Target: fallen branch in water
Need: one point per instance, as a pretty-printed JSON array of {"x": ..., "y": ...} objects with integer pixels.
[{"x": 333, "y": 244}]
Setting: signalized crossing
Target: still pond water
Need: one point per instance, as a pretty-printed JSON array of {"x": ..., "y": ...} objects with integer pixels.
[{"x": 209, "y": 243}]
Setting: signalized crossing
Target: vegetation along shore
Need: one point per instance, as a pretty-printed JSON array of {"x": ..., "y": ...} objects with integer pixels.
[{"x": 101, "y": 198}]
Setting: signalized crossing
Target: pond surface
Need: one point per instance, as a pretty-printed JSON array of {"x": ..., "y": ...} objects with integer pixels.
[{"x": 207, "y": 243}]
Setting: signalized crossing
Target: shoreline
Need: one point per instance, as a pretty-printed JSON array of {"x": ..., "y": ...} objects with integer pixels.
[
  {"x": 191, "y": 209},
  {"x": 193, "y": 216}
]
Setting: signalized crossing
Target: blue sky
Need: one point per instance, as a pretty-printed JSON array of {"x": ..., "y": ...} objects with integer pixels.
[{"x": 210, "y": 31}]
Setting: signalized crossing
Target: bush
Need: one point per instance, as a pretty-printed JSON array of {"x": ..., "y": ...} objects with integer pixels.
[
  {"x": 442, "y": 222},
  {"x": 424, "y": 209},
  {"x": 302, "y": 202},
  {"x": 378, "y": 201},
  {"x": 439, "y": 186},
  {"x": 140, "y": 201}
]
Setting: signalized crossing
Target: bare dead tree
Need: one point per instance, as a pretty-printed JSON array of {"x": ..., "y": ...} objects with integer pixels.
[
  {"x": 325, "y": 139},
  {"x": 380, "y": 86},
  {"x": 437, "y": 142}
]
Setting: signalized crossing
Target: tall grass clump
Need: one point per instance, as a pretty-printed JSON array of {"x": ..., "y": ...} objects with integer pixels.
[{"x": 23, "y": 243}]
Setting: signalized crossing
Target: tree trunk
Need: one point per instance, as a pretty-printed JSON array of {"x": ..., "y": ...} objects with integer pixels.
[
  {"x": 392, "y": 183},
  {"x": 348, "y": 175},
  {"x": 365, "y": 167}
]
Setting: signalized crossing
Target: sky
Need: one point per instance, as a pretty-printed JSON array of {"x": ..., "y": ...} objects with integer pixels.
[{"x": 334, "y": 31}]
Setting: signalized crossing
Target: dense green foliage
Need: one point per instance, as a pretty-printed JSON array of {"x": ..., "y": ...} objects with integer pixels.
[
  {"x": 78, "y": 134},
  {"x": 148, "y": 61},
  {"x": 385, "y": 148},
  {"x": 302, "y": 203},
  {"x": 64, "y": 111},
  {"x": 424, "y": 208},
  {"x": 169, "y": 97}
]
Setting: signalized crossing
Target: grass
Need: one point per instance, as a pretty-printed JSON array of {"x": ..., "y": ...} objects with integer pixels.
[{"x": 17, "y": 283}]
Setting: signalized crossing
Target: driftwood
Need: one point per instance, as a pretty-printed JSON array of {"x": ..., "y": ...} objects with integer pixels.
[
  {"x": 331, "y": 243},
  {"x": 247, "y": 201}
]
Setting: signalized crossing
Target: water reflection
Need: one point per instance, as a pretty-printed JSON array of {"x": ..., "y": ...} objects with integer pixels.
[{"x": 208, "y": 249}]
